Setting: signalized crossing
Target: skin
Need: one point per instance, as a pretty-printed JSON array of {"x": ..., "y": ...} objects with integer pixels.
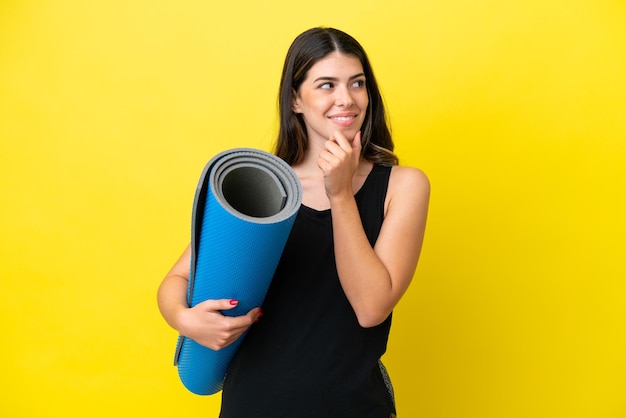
[
  {"x": 204, "y": 323},
  {"x": 333, "y": 101},
  {"x": 374, "y": 279}
]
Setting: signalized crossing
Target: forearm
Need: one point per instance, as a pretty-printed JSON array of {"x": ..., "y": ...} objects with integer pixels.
[
  {"x": 172, "y": 299},
  {"x": 363, "y": 276}
]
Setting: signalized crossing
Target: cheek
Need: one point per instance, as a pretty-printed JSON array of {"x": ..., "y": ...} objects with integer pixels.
[
  {"x": 365, "y": 100},
  {"x": 312, "y": 102}
]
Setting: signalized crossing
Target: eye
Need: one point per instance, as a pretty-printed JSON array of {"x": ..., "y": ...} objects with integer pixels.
[
  {"x": 358, "y": 83},
  {"x": 327, "y": 85}
]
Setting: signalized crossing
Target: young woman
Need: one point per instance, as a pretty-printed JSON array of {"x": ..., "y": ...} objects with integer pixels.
[{"x": 349, "y": 259}]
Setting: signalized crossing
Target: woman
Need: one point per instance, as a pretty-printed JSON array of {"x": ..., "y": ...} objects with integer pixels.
[{"x": 349, "y": 259}]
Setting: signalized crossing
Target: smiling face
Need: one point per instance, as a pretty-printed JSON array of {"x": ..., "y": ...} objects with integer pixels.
[{"x": 333, "y": 97}]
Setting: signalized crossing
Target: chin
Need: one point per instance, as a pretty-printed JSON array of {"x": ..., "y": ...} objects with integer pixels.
[{"x": 349, "y": 132}]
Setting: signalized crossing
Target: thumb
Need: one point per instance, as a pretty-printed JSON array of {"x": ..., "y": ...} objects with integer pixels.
[{"x": 218, "y": 304}]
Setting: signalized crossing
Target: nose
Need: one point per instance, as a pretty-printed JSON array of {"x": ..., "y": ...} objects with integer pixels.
[{"x": 344, "y": 97}]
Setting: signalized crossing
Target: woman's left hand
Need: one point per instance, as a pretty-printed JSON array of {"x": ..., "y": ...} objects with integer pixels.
[{"x": 338, "y": 161}]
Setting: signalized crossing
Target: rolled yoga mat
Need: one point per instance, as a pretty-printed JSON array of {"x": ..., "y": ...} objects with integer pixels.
[{"x": 244, "y": 207}]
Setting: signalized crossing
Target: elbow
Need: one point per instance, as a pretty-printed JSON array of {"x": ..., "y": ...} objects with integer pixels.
[
  {"x": 372, "y": 312},
  {"x": 372, "y": 319}
]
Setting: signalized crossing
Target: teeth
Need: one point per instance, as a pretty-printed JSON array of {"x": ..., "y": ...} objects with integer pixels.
[{"x": 344, "y": 117}]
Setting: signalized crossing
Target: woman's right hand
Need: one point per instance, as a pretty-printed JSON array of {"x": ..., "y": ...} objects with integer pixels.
[
  {"x": 208, "y": 326},
  {"x": 204, "y": 323}
]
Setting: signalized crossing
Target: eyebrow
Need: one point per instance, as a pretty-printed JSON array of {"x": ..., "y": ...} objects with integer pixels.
[{"x": 336, "y": 78}]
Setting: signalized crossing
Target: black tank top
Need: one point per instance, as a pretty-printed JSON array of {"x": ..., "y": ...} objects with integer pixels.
[{"x": 308, "y": 356}]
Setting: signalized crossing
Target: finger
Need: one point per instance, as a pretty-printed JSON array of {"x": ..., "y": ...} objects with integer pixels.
[
  {"x": 356, "y": 142},
  {"x": 323, "y": 165},
  {"x": 331, "y": 156},
  {"x": 333, "y": 147},
  {"x": 238, "y": 324},
  {"x": 218, "y": 304},
  {"x": 256, "y": 313},
  {"x": 334, "y": 153},
  {"x": 342, "y": 141},
  {"x": 326, "y": 162}
]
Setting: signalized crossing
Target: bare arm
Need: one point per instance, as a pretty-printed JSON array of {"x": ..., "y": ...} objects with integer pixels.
[
  {"x": 204, "y": 323},
  {"x": 374, "y": 279}
]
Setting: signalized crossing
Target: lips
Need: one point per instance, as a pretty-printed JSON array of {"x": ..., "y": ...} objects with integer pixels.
[{"x": 344, "y": 120}]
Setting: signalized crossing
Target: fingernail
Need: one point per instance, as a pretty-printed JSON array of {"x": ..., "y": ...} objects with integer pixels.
[
  {"x": 258, "y": 316},
  {"x": 233, "y": 302}
]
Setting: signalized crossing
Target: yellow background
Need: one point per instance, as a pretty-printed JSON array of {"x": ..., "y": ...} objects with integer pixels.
[{"x": 516, "y": 109}]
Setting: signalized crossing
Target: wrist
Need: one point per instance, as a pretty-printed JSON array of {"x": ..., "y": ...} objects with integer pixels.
[
  {"x": 179, "y": 320},
  {"x": 340, "y": 199}
]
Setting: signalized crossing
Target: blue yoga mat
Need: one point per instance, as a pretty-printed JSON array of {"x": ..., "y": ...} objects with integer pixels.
[{"x": 244, "y": 207}]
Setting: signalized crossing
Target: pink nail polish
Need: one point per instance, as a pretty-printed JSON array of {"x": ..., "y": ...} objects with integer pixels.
[{"x": 233, "y": 302}]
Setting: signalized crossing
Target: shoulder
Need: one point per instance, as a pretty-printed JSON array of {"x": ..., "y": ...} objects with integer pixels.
[
  {"x": 409, "y": 188},
  {"x": 404, "y": 177}
]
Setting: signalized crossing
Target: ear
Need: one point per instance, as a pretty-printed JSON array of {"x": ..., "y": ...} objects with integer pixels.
[{"x": 295, "y": 102}]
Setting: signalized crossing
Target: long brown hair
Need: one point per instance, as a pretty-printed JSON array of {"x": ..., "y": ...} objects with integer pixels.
[{"x": 307, "y": 49}]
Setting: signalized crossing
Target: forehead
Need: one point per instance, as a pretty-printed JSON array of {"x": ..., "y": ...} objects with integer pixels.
[{"x": 336, "y": 65}]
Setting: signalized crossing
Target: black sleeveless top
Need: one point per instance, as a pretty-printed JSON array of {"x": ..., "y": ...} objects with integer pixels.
[{"x": 308, "y": 356}]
